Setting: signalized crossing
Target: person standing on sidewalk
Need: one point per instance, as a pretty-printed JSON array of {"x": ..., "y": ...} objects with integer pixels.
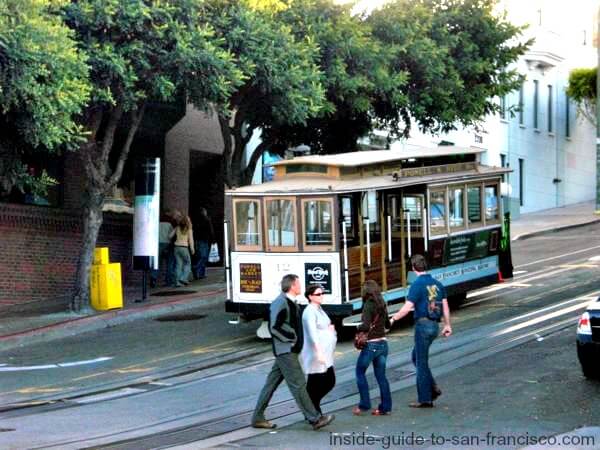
[
  {"x": 374, "y": 320},
  {"x": 427, "y": 298},
  {"x": 286, "y": 333},
  {"x": 319, "y": 347},
  {"x": 165, "y": 251},
  {"x": 203, "y": 232},
  {"x": 184, "y": 246}
]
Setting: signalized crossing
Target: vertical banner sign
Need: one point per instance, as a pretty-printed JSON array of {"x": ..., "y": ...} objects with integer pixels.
[{"x": 146, "y": 214}]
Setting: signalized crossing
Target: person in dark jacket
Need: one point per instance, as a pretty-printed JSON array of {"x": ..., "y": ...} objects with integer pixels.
[
  {"x": 203, "y": 232},
  {"x": 374, "y": 321},
  {"x": 285, "y": 325}
]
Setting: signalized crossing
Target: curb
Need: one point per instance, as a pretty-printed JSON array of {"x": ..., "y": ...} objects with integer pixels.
[
  {"x": 524, "y": 236},
  {"x": 83, "y": 324}
]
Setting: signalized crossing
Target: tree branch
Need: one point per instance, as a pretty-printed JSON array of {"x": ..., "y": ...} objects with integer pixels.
[
  {"x": 226, "y": 135},
  {"x": 136, "y": 118},
  {"x": 109, "y": 135},
  {"x": 251, "y": 167}
]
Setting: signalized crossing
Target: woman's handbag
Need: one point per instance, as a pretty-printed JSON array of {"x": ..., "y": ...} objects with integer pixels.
[
  {"x": 213, "y": 255},
  {"x": 361, "y": 337}
]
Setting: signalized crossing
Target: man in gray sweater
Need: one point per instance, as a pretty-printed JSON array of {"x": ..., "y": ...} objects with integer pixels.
[{"x": 285, "y": 326}]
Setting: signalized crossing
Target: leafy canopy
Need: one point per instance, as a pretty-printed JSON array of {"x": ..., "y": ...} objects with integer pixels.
[
  {"x": 148, "y": 50},
  {"x": 43, "y": 77},
  {"x": 582, "y": 89}
]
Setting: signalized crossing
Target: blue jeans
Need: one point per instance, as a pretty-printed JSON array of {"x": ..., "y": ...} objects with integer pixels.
[
  {"x": 183, "y": 265},
  {"x": 425, "y": 333},
  {"x": 202, "y": 249},
  {"x": 375, "y": 352}
]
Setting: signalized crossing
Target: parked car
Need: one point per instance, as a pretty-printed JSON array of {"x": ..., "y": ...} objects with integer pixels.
[{"x": 588, "y": 340}]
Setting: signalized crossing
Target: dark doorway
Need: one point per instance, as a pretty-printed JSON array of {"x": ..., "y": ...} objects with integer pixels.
[{"x": 207, "y": 190}]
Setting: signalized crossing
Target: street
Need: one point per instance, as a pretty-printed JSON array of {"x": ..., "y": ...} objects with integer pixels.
[{"x": 191, "y": 380}]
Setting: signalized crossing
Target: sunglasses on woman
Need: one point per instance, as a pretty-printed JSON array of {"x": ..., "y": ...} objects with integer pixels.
[{"x": 317, "y": 294}]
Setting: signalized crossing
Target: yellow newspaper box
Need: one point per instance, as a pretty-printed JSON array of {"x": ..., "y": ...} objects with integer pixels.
[
  {"x": 105, "y": 286},
  {"x": 101, "y": 255}
]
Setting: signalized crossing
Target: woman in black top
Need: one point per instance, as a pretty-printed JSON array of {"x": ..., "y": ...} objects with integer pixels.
[{"x": 374, "y": 321}]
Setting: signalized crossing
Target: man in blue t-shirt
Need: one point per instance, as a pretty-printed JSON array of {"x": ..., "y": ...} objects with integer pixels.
[{"x": 427, "y": 298}]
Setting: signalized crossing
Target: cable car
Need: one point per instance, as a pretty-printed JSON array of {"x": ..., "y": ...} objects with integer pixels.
[{"x": 338, "y": 220}]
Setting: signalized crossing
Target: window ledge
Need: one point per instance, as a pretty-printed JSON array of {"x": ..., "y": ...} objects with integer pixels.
[
  {"x": 551, "y": 134},
  {"x": 537, "y": 130},
  {"x": 522, "y": 126},
  {"x": 504, "y": 120}
]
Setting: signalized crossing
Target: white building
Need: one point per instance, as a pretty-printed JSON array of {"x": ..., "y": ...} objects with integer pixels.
[{"x": 550, "y": 149}]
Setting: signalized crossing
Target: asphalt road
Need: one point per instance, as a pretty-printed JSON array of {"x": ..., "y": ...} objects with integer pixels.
[{"x": 151, "y": 376}]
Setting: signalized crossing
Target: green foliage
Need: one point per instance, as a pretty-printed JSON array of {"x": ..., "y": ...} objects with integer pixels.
[
  {"x": 456, "y": 54},
  {"x": 148, "y": 50},
  {"x": 582, "y": 90},
  {"x": 360, "y": 85},
  {"x": 43, "y": 78}
]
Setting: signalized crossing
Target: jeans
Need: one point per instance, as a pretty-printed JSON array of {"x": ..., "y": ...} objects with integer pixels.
[
  {"x": 318, "y": 386},
  {"x": 202, "y": 249},
  {"x": 286, "y": 367},
  {"x": 165, "y": 255},
  {"x": 183, "y": 260},
  {"x": 375, "y": 352},
  {"x": 425, "y": 333}
]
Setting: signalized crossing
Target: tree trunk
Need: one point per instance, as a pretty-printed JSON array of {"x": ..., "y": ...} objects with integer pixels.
[
  {"x": 92, "y": 221},
  {"x": 99, "y": 182},
  {"x": 248, "y": 172}
]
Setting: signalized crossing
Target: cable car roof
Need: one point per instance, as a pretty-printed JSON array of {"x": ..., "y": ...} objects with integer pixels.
[
  {"x": 362, "y": 158},
  {"x": 315, "y": 185}
]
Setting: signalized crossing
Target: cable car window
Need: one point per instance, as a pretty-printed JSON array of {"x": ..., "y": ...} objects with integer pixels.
[
  {"x": 491, "y": 203},
  {"x": 474, "y": 204},
  {"x": 370, "y": 210},
  {"x": 456, "y": 207},
  {"x": 317, "y": 222},
  {"x": 414, "y": 205},
  {"x": 347, "y": 215},
  {"x": 437, "y": 206},
  {"x": 281, "y": 223},
  {"x": 395, "y": 212},
  {"x": 247, "y": 223}
]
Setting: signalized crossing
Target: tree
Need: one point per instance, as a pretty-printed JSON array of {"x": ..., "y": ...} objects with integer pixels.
[
  {"x": 138, "y": 51},
  {"x": 457, "y": 54},
  {"x": 361, "y": 87},
  {"x": 43, "y": 87},
  {"x": 582, "y": 90},
  {"x": 282, "y": 81}
]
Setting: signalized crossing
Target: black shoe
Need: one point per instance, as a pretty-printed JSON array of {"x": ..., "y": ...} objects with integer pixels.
[
  {"x": 435, "y": 392},
  {"x": 323, "y": 421},
  {"x": 421, "y": 405}
]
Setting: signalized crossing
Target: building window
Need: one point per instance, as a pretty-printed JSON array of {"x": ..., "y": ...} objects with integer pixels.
[
  {"x": 550, "y": 118},
  {"x": 318, "y": 230},
  {"x": 456, "y": 207},
  {"x": 567, "y": 116},
  {"x": 281, "y": 224},
  {"x": 247, "y": 224},
  {"x": 536, "y": 93},
  {"x": 474, "y": 204},
  {"x": 521, "y": 105},
  {"x": 521, "y": 181},
  {"x": 503, "y": 107},
  {"x": 503, "y": 164}
]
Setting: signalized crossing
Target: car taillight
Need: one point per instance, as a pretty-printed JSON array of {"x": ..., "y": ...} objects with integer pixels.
[{"x": 584, "y": 324}]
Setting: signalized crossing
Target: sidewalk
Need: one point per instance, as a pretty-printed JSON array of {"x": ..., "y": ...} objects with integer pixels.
[
  {"x": 555, "y": 219},
  {"x": 36, "y": 321}
]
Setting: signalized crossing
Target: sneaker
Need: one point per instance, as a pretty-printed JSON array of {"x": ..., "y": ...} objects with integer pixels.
[
  {"x": 323, "y": 421},
  {"x": 435, "y": 392},
  {"x": 421, "y": 405},
  {"x": 263, "y": 424}
]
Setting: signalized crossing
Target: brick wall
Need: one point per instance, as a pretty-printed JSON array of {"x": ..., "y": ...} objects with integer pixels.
[{"x": 39, "y": 249}]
